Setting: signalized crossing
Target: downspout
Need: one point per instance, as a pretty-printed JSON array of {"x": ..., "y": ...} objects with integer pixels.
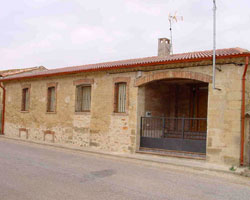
[
  {"x": 243, "y": 113},
  {"x": 3, "y": 111}
]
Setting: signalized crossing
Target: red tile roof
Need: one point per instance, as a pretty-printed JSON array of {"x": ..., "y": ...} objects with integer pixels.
[{"x": 132, "y": 63}]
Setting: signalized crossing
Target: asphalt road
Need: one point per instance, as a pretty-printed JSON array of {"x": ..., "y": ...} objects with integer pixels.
[{"x": 30, "y": 171}]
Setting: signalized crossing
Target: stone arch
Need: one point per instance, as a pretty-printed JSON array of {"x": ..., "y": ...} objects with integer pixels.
[{"x": 173, "y": 74}]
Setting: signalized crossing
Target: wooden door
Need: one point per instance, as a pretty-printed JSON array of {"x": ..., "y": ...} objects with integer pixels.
[
  {"x": 202, "y": 108},
  {"x": 198, "y": 108}
]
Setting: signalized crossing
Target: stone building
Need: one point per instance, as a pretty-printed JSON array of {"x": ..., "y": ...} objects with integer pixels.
[{"x": 164, "y": 103}]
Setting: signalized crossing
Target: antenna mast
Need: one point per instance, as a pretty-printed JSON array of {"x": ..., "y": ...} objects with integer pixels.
[
  {"x": 171, "y": 36},
  {"x": 172, "y": 19}
]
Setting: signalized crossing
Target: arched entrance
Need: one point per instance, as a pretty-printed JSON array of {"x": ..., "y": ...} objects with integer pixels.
[{"x": 174, "y": 114}]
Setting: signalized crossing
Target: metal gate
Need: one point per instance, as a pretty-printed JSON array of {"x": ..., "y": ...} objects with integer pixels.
[{"x": 180, "y": 134}]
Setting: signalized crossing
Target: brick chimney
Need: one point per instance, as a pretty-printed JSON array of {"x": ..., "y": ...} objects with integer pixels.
[{"x": 164, "y": 47}]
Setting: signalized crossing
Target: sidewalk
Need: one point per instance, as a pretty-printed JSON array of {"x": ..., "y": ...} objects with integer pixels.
[{"x": 162, "y": 161}]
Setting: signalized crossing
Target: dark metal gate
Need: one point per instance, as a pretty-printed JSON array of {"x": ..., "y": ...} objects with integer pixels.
[{"x": 179, "y": 134}]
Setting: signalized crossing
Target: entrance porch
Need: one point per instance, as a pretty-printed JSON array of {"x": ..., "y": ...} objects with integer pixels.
[{"x": 174, "y": 115}]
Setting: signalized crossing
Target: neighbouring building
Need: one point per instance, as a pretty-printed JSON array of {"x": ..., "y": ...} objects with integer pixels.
[
  {"x": 12, "y": 72},
  {"x": 165, "y": 102}
]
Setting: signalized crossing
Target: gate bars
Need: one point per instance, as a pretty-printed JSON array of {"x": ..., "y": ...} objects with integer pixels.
[{"x": 179, "y": 128}]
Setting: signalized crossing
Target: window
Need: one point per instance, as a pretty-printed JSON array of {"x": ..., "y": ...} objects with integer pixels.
[
  {"x": 83, "y": 98},
  {"x": 51, "y": 104},
  {"x": 120, "y": 97},
  {"x": 25, "y": 99}
]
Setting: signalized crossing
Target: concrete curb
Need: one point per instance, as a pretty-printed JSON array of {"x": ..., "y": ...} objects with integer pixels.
[{"x": 151, "y": 160}]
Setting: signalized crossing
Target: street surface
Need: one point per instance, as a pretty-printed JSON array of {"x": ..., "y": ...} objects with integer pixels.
[{"x": 37, "y": 172}]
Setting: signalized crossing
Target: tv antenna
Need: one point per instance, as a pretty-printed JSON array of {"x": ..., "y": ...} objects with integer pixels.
[{"x": 173, "y": 18}]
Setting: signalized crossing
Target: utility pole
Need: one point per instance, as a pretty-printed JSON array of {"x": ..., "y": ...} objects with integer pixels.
[{"x": 214, "y": 42}]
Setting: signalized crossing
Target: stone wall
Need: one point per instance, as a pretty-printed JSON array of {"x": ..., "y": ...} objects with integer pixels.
[
  {"x": 100, "y": 128},
  {"x": 224, "y": 116},
  {"x": 247, "y": 142},
  {"x": 168, "y": 99}
]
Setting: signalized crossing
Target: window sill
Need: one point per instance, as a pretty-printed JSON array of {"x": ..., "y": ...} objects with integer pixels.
[
  {"x": 120, "y": 114},
  {"x": 24, "y": 111},
  {"x": 83, "y": 113},
  {"x": 50, "y": 112}
]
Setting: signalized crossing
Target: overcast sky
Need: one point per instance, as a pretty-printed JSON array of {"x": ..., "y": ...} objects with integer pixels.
[{"x": 59, "y": 33}]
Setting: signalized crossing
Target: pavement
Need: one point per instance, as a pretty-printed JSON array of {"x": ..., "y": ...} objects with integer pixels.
[{"x": 39, "y": 172}]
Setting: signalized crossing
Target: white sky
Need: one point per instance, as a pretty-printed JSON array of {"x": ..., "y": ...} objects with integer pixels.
[{"x": 59, "y": 33}]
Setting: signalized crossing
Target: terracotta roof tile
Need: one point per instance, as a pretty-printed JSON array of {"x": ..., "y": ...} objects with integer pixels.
[{"x": 183, "y": 57}]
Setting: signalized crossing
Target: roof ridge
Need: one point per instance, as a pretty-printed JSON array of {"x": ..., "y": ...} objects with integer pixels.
[
  {"x": 223, "y": 49},
  {"x": 150, "y": 57}
]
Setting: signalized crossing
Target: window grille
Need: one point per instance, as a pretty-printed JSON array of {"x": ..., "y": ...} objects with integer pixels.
[
  {"x": 51, "y": 106},
  {"x": 25, "y": 99},
  {"x": 83, "y": 98},
  {"x": 120, "y": 97}
]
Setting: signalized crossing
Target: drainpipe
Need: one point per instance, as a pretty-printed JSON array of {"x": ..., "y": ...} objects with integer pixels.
[
  {"x": 3, "y": 111},
  {"x": 243, "y": 113}
]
